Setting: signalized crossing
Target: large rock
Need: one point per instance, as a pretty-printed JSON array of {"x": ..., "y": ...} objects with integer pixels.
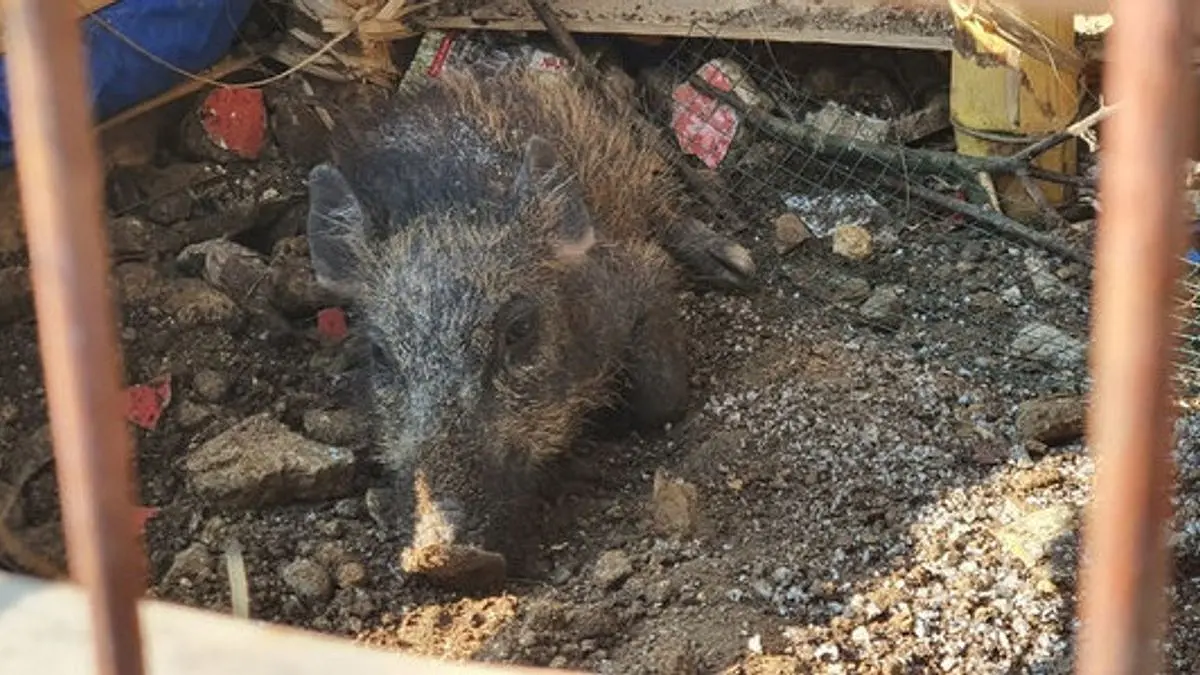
[
  {"x": 1053, "y": 421},
  {"x": 1048, "y": 344},
  {"x": 261, "y": 462}
]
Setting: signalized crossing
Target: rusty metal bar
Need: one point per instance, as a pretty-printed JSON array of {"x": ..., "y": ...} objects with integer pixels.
[
  {"x": 1139, "y": 246},
  {"x": 60, "y": 183}
]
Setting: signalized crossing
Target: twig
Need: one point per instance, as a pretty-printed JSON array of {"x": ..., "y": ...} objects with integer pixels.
[
  {"x": 592, "y": 76},
  {"x": 996, "y": 221}
]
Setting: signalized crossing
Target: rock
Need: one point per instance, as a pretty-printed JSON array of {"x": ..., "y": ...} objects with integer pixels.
[
  {"x": 261, "y": 462},
  {"x": 675, "y": 505},
  {"x": 308, "y": 580},
  {"x": 790, "y": 232},
  {"x": 351, "y": 574},
  {"x": 232, "y": 269},
  {"x": 296, "y": 126},
  {"x": 9, "y": 412},
  {"x": 138, "y": 283},
  {"x": 16, "y": 295},
  {"x": 210, "y": 386},
  {"x": 130, "y": 235},
  {"x": 1052, "y": 421},
  {"x": 852, "y": 290},
  {"x": 612, "y": 569},
  {"x": 852, "y": 241},
  {"x": 193, "y": 563},
  {"x": 1050, "y": 345},
  {"x": 336, "y": 427},
  {"x": 884, "y": 306},
  {"x": 171, "y": 208},
  {"x": 1031, "y": 538},
  {"x": 194, "y": 303},
  {"x": 1046, "y": 284},
  {"x": 190, "y": 415},
  {"x": 676, "y": 658},
  {"x": 295, "y": 290}
]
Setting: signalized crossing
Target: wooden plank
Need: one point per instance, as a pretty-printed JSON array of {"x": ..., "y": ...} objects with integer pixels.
[
  {"x": 45, "y": 628},
  {"x": 82, "y": 8},
  {"x": 853, "y": 22}
]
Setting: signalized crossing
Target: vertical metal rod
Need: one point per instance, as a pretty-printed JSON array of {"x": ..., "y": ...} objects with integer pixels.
[
  {"x": 60, "y": 183},
  {"x": 1138, "y": 251}
]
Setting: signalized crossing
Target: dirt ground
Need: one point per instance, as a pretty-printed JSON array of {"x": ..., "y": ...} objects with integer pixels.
[{"x": 864, "y": 497}]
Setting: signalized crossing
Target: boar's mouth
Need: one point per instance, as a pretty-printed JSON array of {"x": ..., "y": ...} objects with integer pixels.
[{"x": 455, "y": 566}]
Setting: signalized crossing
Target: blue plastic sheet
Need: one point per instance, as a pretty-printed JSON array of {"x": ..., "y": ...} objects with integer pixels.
[{"x": 191, "y": 35}]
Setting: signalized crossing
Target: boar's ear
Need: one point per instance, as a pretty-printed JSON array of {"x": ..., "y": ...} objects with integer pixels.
[
  {"x": 575, "y": 235},
  {"x": 336, "y": 230}
]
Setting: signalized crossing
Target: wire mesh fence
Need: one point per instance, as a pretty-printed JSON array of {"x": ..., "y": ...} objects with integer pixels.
[{"x": 844, "y": 176}]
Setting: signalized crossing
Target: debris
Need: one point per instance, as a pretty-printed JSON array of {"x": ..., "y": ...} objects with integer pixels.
[
  {"x": 852, "y": 241},
  {"x": 675, "y": 505},
  {"x": 822, "y": 213},
  {"x": 171, "y": 208},
  {"x": 1045, "y": 343},
  {"x": 261, "y": 462},
  {"x": 145, "y": 402},
  {"x": 192, "y": 564},
  {"x": 790, "y": 232},
  {"x": 331, "y": 325},
  {"x": 1052, "y": 421},
  {"x": 137, "y": 283},
  {"x": 885, "y": 306},
  {"x": 1031, "y": 538},
  {"x": 233, "y": 269},
  {"x": 194, "y": 303},
  {"x": 190, "y": 415},
  {"x": 308, "y": 580},
  {"x": 130, "y": 236},
  {"x": 210, "y": 385},
  {"x": 707, "y": 128},
  {"x": 612, "y": 569},
  {"x": 336, "y": 427},
  {"x": 350, "y": 574},
  {"x": 235, "y": 120}
]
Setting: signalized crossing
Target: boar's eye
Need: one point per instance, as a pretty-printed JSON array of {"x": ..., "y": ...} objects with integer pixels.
[{"x": 517, "y": 324}]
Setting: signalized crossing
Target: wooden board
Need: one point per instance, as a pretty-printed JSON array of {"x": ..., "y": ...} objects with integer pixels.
[
  {"x": 82, "y": 8},
  {"x": 45, "y": 628},
  {"x": 855, "y": 22}
]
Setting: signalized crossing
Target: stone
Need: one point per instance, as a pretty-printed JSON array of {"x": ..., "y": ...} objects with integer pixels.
[
  {"x": 261, "y": 462},
  {"x": 674, "y": 505},
  {"x": 308, "y": 580},
  {"x": 210, "y": 385},
  {"x": 1031, "y": 538},
  {"x": 790, "y": 232},
  {"x": 16, "y": 295},
  {"x": 193, "y": 563},
  {"x": 130, "y": 235},
  {"x": 171, "y": 208},
  {"x": 1046, "y": 284},
  {"x": 295, "y": 290},
  {"x": 884, "y": 306},
  {"x": 336, "y": 427},
  {"x": 138, "y": 283},
  {"x": 1051, "y": 420},
  {"x": 194, "y": 303},
  {"x": 233, "y": 269},
  {"x": 612, "y": 569},
  {"x": 852, "y": 241},
  {"x": 190, "y": 415},
  {"x": 1048, "y": 344},
  {"x": 852, "y": 290},
  {"x": 351, "y": 574}
]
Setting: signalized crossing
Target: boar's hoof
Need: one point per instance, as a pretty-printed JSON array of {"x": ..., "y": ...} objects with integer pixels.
[
  {"x": 458, "y": 567},
  {"x": 713, "y": 260}
]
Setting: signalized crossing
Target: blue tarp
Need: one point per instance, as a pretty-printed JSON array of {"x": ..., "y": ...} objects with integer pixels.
[{"x": 191, "y": 35}]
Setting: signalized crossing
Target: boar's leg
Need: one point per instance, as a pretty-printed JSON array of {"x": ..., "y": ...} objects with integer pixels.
[{"x": 712, "y": 260}]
